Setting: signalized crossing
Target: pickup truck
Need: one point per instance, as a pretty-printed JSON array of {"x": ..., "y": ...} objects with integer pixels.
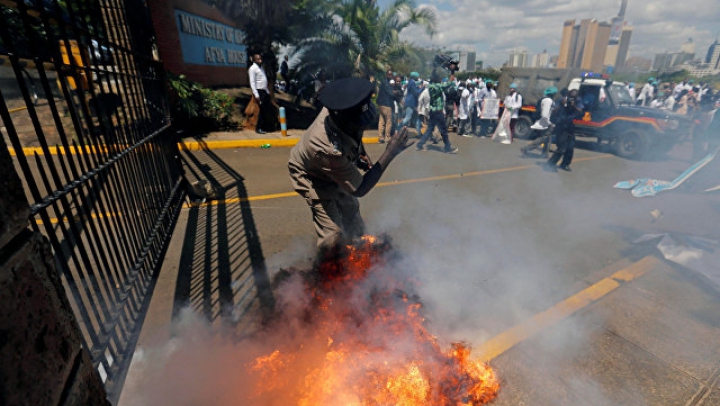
[{"x": 610, "y": 115}]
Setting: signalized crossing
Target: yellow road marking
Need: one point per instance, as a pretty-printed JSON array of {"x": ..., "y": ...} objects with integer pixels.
[
  {"x": 509, "y": 338},
  {"x": 384, "y": 184},
  {"x": 541, "y": 321},
  {"x": 234, "y": 200}
]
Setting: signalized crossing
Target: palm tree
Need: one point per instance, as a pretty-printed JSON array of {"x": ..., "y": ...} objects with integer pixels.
[
  {"x": 360, "y": 38},
  {"x": 379, "y": 34}
]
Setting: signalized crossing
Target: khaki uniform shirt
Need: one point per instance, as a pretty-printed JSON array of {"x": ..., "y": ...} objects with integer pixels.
[{"x": 323, "y": 161}]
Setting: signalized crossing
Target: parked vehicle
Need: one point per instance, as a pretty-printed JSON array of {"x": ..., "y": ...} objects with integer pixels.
[{"x": 610, "y": 115}]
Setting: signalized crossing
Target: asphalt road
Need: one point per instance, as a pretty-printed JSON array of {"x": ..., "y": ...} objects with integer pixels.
[{"x": 538, "y": 271}]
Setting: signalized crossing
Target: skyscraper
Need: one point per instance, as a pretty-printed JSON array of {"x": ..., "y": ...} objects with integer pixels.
[
  {"x": 616, "y": 50},
  {"x": 623, "y": 7},
  {"x": 688, "y": 47},
  {"x": 584, "y": 45},
  {"x": 713, "y": 55},
  {"x": 568, "y": 41},
  {"x": 592, "y": 45},
  {"x": 467, "y": 61},
  {"x": 617, "y": 24},
  {"x": 519, "y": 57},
  {"x": 541, "y": 60},
  {"x": 596, "y": 46},
  {"x": 623, "y": 47}
]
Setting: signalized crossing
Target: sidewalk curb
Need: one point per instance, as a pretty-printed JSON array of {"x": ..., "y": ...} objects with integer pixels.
[
  {"x": 182, "y": 145},
  {"x": 254, "y": 143},
  {"x": 257, "y": 143}
]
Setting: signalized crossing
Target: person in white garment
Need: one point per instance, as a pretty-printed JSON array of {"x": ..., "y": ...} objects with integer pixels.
[{"x": 513, "y": 104}]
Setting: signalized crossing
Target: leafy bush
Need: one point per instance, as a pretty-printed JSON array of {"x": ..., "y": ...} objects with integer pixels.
[{"x": 196, "y": 107}]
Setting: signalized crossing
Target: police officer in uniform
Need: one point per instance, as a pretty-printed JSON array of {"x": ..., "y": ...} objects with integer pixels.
[{"x": 329, "y": 166}]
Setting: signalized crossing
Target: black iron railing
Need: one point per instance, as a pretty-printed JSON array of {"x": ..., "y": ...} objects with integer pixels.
[{"x": 84, "y": 110}]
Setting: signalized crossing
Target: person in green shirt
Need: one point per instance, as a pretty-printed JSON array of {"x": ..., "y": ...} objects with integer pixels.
[{"x": 437, "y": 114}]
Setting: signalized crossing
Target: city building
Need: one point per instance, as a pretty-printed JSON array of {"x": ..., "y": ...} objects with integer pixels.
[
  {"x": 616, "y": 31},
  {"x": 567, "y": 45},
  {"x": 624, "y": 46},
  {"x": 519, "y": 58},
  {"x": 541, "y": 60},
  {"x": 466, "y": 62},
  {"x": 713, "y": 55},
  {"x": 688, "y": 47},
  {"x": 698, "y": 69},
  {"x": 594, "y": 45},
  {"x": 584, "y": 45},
  {"x": 670, "y": 61}
]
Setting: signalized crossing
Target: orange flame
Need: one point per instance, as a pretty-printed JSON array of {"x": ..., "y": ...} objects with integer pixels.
[{"x": 388, "y": 359}]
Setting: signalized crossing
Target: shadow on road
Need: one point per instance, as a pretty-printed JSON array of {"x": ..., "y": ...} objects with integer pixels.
[{"x": 222, "y": 273}]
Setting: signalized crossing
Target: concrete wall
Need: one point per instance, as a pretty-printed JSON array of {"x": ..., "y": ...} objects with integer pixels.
[
  {"x": 42, "y": 360},
  {"x": 168, "y": 39}
]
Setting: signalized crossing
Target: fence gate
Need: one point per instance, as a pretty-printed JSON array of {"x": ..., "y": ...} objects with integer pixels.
[{"x": 85, "y": 116}]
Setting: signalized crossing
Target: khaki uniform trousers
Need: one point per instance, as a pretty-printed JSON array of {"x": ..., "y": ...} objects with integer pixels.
[
  {"x": 385, "y": 123},
  {"x": 337, "y": 220}
]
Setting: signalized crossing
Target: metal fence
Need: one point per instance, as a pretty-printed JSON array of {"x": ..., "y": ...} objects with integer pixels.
[{"x": 85, "y": 114}]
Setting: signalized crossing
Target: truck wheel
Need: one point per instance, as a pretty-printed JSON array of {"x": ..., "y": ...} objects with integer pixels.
[
  {"x": 630, "y": 145},
  {"x": 522, "y": 127}
]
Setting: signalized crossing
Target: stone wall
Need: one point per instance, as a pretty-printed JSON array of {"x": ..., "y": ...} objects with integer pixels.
[{"x": 42, "y": 360}]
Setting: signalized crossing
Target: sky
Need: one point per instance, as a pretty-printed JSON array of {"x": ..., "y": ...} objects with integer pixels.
[{"x": 494, "y": 28}]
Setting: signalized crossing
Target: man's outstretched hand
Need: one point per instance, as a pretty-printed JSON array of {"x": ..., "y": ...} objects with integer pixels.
[{"x": 399, "y": 142}]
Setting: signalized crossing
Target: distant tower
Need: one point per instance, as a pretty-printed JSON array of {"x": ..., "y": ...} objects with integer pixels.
[
  {"x": 688, "y": 47},
  {"x": 619, "y": 39},
  {"x": 617, "y": 25},
  {"x": 623, "y": 7},
  {"x": 713, "y": 55}
]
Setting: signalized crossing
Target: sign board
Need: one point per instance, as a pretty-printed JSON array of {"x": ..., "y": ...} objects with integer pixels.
[
  {"x": 616, "y": 30},
  {"x": 208, "y": 42}
]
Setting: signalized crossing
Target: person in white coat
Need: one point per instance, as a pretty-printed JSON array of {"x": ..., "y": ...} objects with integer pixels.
[
  {"x": 513, "y": 104},
  {"x": 464, "y": 111},
  {"x": 472, "y": 87},
  {"x": 543, "y": 125},
  {"x": 631, "y": 90},
  {"x": 646, "y": 93},
  {"x": 487, "y": 117}
]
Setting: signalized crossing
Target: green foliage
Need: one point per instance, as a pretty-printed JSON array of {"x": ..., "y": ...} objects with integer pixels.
[
  {"x": 216, "y": 106},
  {"x": 357, "y": 37},
  {"x": 195, "y": 106}
]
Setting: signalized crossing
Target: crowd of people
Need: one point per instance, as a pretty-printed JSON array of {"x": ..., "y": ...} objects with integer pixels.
[
  {"x": 331, "y": 169},
  {"x": 685, "y": 97},
  {"x": 437, "y": 102},
  {"x": 472, "y": 106}
]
